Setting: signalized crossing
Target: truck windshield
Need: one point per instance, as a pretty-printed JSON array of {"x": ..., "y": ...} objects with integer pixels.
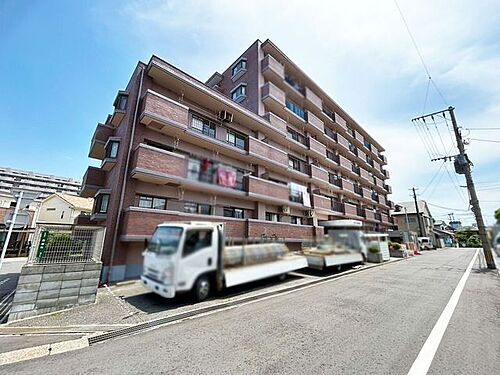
[{"x": 165, "y": 240}]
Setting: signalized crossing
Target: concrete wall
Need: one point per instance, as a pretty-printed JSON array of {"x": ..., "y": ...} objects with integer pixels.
[{"x": 46, "y": 288}]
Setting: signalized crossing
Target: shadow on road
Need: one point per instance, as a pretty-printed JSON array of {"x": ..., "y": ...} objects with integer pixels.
[{"x": 153, "y": 303}]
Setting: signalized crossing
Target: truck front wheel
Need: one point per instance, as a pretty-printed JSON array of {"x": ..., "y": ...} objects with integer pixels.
[{"x": 202, "y": 288}]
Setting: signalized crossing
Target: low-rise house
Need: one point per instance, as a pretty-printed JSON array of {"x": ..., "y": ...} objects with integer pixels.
[{"x": 63, "y": 209}]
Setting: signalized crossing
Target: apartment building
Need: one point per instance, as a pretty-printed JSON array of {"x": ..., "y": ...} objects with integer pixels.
[
  {"x": 40, "y": 183},
  {"x": 259, "y": 147}
]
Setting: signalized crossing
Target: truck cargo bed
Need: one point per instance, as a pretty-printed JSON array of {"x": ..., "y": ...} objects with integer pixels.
[
  {"x": 244, "y": 274},
  {"x": 320, "y": 261}
]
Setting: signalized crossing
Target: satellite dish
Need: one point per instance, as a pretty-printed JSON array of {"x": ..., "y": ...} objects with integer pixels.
[{"x": 22, "y": 219}]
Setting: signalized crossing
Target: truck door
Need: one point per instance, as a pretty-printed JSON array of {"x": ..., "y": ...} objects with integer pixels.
[{"x": 199, "y": 255}]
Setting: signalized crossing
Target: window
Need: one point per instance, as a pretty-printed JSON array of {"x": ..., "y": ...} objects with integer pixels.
[
  {"x": 201, "y": 170},
  {"x": 239, "y": 93},
  {"x": 270, "y": 216},
  {"x": 197, "y": 240},
  {"x": 296, "y": 136},
  {"x": 351, "y": 132},
  {"x": 296, "y": 220},
  {"x": 295, "y": 194},
  {"x": 234, "y": 212},
  {"x": 297, "y": 164},
  {"x": 368, "y": 145},
  {"x": 197, "y": 208},
  {"x": 236, "y": 139},
  {"x": 152, "y": 202},
  {"x": 410, "y": 220},
  {"x": 239, "y": 67},
  {"x": 112, "y": 149},
  {"x": 101, "y": 204},
  {"x": 204, "y": 126},
  {"x": 121, "y": 102},
  {"x": 295, "y": 109},
  {"x": 51, "y": 209}
]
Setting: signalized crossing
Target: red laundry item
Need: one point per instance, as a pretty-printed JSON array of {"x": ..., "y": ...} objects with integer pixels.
[
  {"x": 226, "y": 177},
  {"x": 205, "y": 165}
]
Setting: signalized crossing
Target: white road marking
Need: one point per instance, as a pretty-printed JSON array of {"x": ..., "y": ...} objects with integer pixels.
[
  {"x": 4, "y": 281},
  {"x": 428, "y": 351}
]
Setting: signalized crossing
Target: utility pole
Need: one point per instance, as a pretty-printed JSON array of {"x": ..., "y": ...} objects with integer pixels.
[
  {"x": 472, "y": 192},
  {"x": 462, "y": 166},
  {"x": 420, "y": 226},
  {"x": 11, "y": 226}
]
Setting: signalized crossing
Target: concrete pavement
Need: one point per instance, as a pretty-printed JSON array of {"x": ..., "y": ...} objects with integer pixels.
[{"x": 373, "y": 322}]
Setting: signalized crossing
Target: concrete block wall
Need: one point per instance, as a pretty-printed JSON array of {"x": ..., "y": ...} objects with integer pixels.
[{"x": 46, "y": 288}]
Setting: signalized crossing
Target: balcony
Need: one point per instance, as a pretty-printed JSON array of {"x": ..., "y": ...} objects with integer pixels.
[
  {"x": 385, "y": 219},
  {"x": 365, "y": 174},
  {"x": 315, "y": 123},
  {"x": 260, "y": 229},
  {"x": 369, "y": 215},
  {"x": 272, "y": 69},
  {"x": 390, "y": 204},
  {"x": 386, "y": 173},
  {"x": 345, "y": 163},
  {"x": 273, "y": 97},
  {"x": 342, "y": 141},
  {"x": 93, "y": 180},
  {"x": 375, "y": 197},
  {"x": 321, "y": 202},
  {"x": 350, "y": 209},
  {"x": 276, "y": 122},
  {"x": 164, "y": 114},
  {"x": 331, "y": 134},
  {"x": 313, "y": 99},
  {"x": 348, "y": 186},
  {"x": 340, "y": 121},
  {"x": 333, "y": 157},
  {"x": 151, "y": 164},
  {"x": 318, "y": 148},
  {"x": 360, "y": 211},
  {"x": 265, "y": 154},
  {"x": 99, "y": 139},
  {"x": 120, "y": 105},
  {"x": 268, "y": 191},
  {"x": 377, "y": 216},
  {"x": 319, "y": 175}
]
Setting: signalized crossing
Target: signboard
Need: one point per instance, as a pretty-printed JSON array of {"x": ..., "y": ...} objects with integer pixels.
[{"x": 42, "y": 245}]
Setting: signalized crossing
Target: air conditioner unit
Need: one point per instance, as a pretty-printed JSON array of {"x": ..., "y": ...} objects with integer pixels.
[
  {"x": 285, "y": 210},
  {"x": 225, "y": 116},
  {"x": 309, "y": 213}
]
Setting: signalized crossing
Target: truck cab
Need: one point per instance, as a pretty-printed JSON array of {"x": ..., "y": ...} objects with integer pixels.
[{"x": 181, "y": 257}]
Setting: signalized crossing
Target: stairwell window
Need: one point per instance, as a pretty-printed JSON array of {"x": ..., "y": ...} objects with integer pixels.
[
  {"x": 101, "y": 204},
  {"x": 239, "y": 93},
  {"x": 239, "y": 68},
  {"x": 112, "y": 149}
]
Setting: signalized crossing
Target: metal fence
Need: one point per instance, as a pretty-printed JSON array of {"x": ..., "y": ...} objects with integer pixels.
[{"x": 66, "y": 244}]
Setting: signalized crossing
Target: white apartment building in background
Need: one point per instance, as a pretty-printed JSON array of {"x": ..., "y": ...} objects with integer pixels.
[{"x": 36, "y": 182}]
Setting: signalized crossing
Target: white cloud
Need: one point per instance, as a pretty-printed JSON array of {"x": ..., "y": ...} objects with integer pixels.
[{"x": 360, "y": 53}]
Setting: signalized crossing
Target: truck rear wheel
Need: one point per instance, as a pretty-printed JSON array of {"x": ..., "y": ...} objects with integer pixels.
[{"x": 202, "y": 288}]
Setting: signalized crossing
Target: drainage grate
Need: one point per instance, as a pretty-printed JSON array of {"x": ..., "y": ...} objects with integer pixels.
[{"x": 169, "y": 319}]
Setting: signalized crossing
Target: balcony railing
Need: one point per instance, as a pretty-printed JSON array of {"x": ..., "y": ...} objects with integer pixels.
[
  {"x": 163, "y": 114},
  {"x": 93, "y": 180},
  {"x": 358, "y": 190},
  {"x": 360, "y": 211},
  {"x": 337, "y": 206},
  {"x": 330, "y": 133},
  {"x": 356, "y": 170},
  {"x": 271, "y": 66},
  {"x": 265, "y": 188}
]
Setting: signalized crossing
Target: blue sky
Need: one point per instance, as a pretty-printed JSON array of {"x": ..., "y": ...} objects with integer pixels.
[{"x": 63, "y": 61}]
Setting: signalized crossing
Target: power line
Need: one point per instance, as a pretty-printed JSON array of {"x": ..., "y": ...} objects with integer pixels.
[
  {"x": 484, "y": 140},
  {"x": 482, "y": 128},
  {"x": 448, "y": 208},
  {"x": 419, "y": 53}
]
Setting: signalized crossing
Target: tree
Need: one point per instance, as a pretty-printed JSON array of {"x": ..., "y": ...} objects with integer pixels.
[
  {"x": 467, "y": 238},
  {"x": 497, "y": 215}
]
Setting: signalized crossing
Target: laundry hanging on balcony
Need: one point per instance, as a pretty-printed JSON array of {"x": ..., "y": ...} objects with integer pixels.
[{"x": 226, "y": 177}]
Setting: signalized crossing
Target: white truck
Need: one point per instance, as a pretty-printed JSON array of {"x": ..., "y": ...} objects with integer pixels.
[
  {"x": 191, "y": 256},
  {"x": 344, "y": 244}
]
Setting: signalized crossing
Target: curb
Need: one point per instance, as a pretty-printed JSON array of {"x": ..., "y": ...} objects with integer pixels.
[{"x": 42, "y": 351}]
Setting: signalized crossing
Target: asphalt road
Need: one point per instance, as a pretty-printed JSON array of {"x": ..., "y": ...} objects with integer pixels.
[
  {"x": 9, "y": 274},
  {"x": 372, "y": 322}
]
